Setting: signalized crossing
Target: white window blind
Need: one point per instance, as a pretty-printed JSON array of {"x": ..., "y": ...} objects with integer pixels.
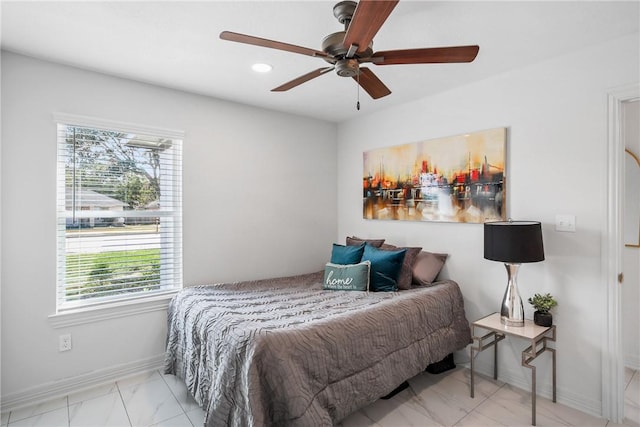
[{"x": 119, "y": 213}]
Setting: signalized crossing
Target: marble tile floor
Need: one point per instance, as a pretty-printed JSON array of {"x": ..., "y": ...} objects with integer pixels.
[
  {"x": 154, "y": 399},
  {"x": 443, "y": 400}
]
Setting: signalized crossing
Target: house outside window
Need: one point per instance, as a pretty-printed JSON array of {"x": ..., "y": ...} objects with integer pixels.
[{"x": 119, "y": 212}]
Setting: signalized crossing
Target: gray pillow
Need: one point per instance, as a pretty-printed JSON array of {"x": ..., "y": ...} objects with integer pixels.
[
  {"x": 426, "y": 267},
  {"x": 351, "y": 277},
  {"x": 355, "y": 241}
]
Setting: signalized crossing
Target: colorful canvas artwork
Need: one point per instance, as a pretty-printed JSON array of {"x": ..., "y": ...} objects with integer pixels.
[{"x": 454, "y": 179}]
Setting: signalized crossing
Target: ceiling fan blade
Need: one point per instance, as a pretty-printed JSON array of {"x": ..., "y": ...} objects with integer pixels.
[
  {"x": 367, "y": 20},
  {"x": 371, "y": 83},
  {"x": 431, "y": 55},
  {"x": 304, "y": 78},
  {"x": 257, "y": 41}
]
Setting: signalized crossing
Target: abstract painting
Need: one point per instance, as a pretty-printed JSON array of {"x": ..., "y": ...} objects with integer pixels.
[{"x": 453, "y": 179}]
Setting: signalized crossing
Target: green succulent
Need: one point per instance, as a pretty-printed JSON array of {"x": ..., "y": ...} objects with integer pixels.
[{"x": 543, "y": 303}]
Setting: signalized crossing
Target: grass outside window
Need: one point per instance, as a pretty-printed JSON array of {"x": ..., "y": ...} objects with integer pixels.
[{"x": 111, "y": 273}]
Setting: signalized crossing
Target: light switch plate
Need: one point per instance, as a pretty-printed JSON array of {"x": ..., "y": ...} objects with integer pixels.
[{"x": 566, "y": 223}]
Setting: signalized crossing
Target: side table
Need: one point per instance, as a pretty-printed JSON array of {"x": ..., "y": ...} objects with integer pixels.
[{"x": 538, "y": 335}]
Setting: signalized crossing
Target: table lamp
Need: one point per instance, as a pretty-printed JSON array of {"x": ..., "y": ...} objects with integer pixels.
[{"x": 514, "y": 243}]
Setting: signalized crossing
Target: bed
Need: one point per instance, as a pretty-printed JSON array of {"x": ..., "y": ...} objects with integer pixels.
[{"x": 286, "y": 352}]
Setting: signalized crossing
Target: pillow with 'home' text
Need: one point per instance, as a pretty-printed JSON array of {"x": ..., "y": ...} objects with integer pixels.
[{"x": 352, "y": 277}]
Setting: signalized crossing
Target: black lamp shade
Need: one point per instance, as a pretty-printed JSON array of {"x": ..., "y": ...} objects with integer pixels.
[{"x": 514, "y": 242}]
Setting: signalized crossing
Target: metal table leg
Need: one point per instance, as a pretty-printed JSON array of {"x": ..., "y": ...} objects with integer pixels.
[
  {"x": 495, "y": 339},
  {"x": 529, "y": 355}
]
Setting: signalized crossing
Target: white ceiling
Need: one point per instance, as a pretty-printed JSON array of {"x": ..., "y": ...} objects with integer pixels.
[{"x": 176, "y": 44}]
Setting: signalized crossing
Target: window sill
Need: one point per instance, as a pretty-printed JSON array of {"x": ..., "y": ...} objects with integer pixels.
[{"x": 115, "y": 310}]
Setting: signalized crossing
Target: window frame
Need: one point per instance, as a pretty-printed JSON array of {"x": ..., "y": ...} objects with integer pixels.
[{"x": 117, "y": 305}]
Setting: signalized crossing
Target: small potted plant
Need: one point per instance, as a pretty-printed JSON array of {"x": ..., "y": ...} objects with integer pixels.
[{"x": 542, "y": 304}]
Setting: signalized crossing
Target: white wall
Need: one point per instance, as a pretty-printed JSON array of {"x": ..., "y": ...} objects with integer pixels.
[
  {"x": 556, "y": 113},
  {"x": 259, "y": 201},
  {"x": 630, "y": 255}
]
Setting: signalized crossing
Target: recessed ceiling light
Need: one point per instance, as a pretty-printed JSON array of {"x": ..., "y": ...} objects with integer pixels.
[{"x": 261, "y": 68}]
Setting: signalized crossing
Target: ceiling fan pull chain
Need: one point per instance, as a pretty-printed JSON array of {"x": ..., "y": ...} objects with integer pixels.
[{"x": 358, "y": 93}]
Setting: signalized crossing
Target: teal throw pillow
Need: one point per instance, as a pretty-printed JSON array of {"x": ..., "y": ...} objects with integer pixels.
[
  {"x": 346, "y": 254},
  {"x": 385, "y": 268},
  {"x": 353, "y": 277}
]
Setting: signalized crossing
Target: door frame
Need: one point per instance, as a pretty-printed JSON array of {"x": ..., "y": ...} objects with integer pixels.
[{"x": 612, "y": 245}]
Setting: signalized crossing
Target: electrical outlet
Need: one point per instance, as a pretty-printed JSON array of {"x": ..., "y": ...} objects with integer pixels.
[{"x": 65, "y": 342}]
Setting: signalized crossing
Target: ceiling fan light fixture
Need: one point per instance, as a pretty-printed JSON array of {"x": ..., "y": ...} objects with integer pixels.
[
  {"x": 347, "y": 67},
  {"x": 261, "y": 67}
]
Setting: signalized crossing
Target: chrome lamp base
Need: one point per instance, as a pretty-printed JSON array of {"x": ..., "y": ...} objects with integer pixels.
[{"x": 512, "y": 311}]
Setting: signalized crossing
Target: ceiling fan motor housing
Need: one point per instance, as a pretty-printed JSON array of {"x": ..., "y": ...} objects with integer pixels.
[
  {"x": 332, "y": 45},
  {"x": 345, "y": 67}
]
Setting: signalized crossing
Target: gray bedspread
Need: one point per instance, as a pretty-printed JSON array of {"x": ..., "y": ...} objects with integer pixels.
[{"x": 285, "y": 352}]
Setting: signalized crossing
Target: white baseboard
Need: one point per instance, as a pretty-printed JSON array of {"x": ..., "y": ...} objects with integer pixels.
[{"x": 56, "y": 389}]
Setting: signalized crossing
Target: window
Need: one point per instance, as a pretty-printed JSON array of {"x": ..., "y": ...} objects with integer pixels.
[{"x": 119, "y": 212}]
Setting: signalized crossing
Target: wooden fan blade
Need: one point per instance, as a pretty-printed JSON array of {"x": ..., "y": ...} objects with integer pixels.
[
  {"x": 305, "y": 78},
  {"x": 366, "y": 22},
  {"x": 431, "y": 55},
  {"x": 371, "y": 83},
  {"x": 257, "y": 41}
]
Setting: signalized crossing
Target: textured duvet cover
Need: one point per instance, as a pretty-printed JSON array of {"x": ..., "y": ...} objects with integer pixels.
[{"x": 285, "y": 352}]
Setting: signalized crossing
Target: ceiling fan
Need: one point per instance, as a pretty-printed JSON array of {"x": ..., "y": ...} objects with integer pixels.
[{"x": 346, "y": 50}]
